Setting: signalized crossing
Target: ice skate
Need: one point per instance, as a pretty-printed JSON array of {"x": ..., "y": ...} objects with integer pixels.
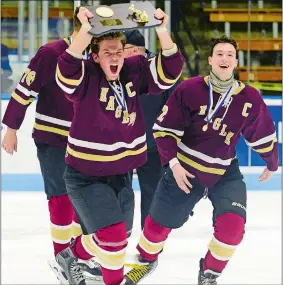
[
  {"x": 60, "y": 275},
  {"x": 206, "y": 277},
  {"x": 139, "y": 271},
  {"x": 69, "y": 265},
  {"x": 91, "y": 269}
]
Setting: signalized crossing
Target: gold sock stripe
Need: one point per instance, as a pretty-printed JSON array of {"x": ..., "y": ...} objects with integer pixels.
[
  {"x": 109, "y": 260},
  {"x": 221, "y": 251},
  {"x": 61, "y": 234},
  {"x": 150, "y": 247},
  {"x": 76, "y": 230}
]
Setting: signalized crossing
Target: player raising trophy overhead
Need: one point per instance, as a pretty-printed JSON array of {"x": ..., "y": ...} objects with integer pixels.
[{"x": 107, "y": 137}]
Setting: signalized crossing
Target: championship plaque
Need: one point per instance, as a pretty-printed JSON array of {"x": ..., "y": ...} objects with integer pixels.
[{"x": 121, "y": 17}]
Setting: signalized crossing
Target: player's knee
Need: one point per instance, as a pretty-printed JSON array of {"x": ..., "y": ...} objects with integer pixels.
[
  {"x": 153, "y": 231},
  {"x": 60, "y": 204},
  {"x": 229, "y": 228},
  {"x": 112, "y": 236}
]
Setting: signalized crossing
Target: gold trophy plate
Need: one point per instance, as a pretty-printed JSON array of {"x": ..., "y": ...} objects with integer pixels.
[{"x": 121, "y": 17}]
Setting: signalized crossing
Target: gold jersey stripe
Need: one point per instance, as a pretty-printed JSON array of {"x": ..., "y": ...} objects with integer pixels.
[
  {"x": 164, "y": 134},
  {"x": 161, "y": 73},
  {"x": 66, "y": 40},
  {"x": 20, "y": 100},
  {"x": 51, "y": 129},
  {"x": 266, "y": 149},
  {"x": 200, "y": 167},
  {"x": 104, "y": 158},
  {"x": 72, "y": 82}
]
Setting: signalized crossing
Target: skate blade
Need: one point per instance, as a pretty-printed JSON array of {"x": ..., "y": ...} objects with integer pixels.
[
  {"x": 58, "y": 272},
  {"x": 89, "y": 276},
  {"x": 94, "y": 282}
]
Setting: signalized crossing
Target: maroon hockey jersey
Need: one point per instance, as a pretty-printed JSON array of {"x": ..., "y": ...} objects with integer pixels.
[
  {"x": 206, "y": 149},
  {"x": 53, "y": 111},
  {"x": 107, "y": 137}
]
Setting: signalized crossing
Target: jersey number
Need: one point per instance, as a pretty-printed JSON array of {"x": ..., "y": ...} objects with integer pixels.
[
  {"x": 164, "y": 112},
  {"x": 28, "y": 76}
]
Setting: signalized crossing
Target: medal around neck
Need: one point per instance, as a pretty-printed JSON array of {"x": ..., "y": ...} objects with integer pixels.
[{"x": 121, "y": 17}]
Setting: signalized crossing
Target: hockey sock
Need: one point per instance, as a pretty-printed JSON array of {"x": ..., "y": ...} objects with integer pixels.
[
  {"x": 76, "y": 227},
  {"x": 229, "y": 230},
  {"x": 152, "y": 239},
  {"x": 109, "y": 246},
  {"x": 61, "y": 217}
]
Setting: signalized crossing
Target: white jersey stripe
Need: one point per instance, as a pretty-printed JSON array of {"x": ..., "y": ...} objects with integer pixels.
[
  {"x": 53, "y": 120},
  {"x": 153, "y": 71},
  {"x": 64, "y": 88},
  {"x": 107, "y": 147},
  {"x": 203, "y": 156},
  {"x": 176, "y": 132},
  {"x": 26, "y": 91},
  {"x": 262, "y": 140}
]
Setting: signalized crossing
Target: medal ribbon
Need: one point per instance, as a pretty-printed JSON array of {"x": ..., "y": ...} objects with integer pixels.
[
  {"x": 119, "y": 95},
  {"x": 219, "y": 104}
]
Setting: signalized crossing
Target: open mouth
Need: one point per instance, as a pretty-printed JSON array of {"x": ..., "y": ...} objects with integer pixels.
[
  {"x": 223, "y": 66},
  {"x": 113, "y": 68}
]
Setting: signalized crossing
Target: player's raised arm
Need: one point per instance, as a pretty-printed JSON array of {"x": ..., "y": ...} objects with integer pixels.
[
  {"x": 164, "y": 37},
  {"x": 71, "y": 68},
  {"x": 160, "y": 72}
]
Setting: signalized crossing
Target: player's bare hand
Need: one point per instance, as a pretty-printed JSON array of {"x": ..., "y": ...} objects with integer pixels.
[
  {"x": 161, "y": 15},
  {"x": 181, "y": 176},
  {"x": 10, "y": 142},
  {"x": 84, "y": 15},
  {"x": 266, "y": 175}
]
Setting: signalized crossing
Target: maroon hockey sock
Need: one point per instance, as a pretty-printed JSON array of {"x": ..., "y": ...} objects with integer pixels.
[
  {"x": 229, "y": 230},
  {"x": 76, "y": 227},
  {"x": 111, "y": 240},
  {"x": 152, "y": 239},
  {"x": 61, "y": 217},
  {"x": 108, "y": 244},
  {"x": 79, "y": 250}
]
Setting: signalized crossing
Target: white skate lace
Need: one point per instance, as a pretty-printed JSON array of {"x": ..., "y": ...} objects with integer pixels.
[
  {"x": 94, "y": 264},
  {"x": 208, "y": 281},
  {"x": 76, "y": 273}
]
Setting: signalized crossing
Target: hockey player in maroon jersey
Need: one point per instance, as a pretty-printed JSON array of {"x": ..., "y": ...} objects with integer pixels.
[
  {"x": 107, "y": 137},
  {"x": 52, "y": 122},
  {"x": 196, "y": 135}
]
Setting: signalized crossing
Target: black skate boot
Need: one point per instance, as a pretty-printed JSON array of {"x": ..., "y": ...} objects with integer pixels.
[
  {"x": 206, "y": 277},
  {"x": 140, "y": 270},
  {"x": 69, "y": 265},
  {"x": 91, "y": 269}
]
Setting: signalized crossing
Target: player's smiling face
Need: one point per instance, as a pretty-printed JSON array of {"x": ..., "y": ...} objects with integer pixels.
[
  {"x": 111, "y": 58},
  {"x": 223, "y": 60}
]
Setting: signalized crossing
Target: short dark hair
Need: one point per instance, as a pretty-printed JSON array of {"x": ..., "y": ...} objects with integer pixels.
[
  {"x": 223, "y": 40},
  {"x": 110, "y": 36},
  {"x": 76, "y": 22},
  {"x": 135, "y": 37}
]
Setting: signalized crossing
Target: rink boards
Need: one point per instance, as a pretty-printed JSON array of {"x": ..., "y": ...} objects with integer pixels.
[{"x": 21, "y": 172}]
